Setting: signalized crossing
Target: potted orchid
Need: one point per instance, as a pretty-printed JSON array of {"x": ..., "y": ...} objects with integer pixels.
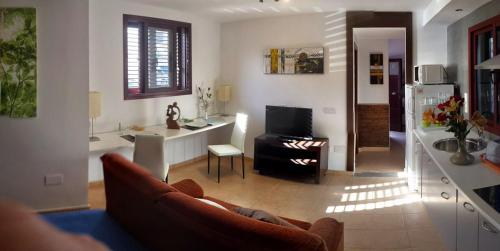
[
  {"x": 451, "y": 117},
  {"x": 204, "y": 99}
]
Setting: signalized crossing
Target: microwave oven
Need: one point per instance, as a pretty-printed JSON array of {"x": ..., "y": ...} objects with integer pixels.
[{"x": 429, "y": 74}]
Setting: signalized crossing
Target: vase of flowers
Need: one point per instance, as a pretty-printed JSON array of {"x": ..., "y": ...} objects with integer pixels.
[
  {"x": 204, "y": 99},
  {"x": 450, "y": 116}
]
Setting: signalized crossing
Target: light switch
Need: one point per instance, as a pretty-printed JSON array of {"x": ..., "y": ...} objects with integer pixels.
[{"x": 54, "y": 179}]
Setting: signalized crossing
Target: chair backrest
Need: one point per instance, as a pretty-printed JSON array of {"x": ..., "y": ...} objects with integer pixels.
[
  {"x": 148, "y": 152},
  {"x": 239, "y": 131}
]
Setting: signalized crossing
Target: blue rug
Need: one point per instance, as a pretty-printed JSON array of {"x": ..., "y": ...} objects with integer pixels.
[{"x": 97, "y": 224}]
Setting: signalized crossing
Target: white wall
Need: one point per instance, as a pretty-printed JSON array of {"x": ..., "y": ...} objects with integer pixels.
[
  {"x": 397, "y": 49},
  {"x": 429, "y": 42},
  {"x": 242, "y": 64},
  {"x": 106, "y": 63},
  {"x": 56, "y": 141},
  {"x": 106, "y": 76},
  {"x": 368, "y": 93}
]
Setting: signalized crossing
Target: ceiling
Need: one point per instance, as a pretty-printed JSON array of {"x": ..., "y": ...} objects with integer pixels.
[
  {"x": 379, "y": 33},
  {"x": 234, "y": 10}
]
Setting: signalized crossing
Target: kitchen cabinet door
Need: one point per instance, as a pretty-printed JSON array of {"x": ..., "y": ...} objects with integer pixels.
[
  {"x": 440, "y": 199},
  {"x": 426, "y": 184},
  {"x": 417, "y": 160},
  {"x": 489, "y": 236},
  {"x": 467, "y": 225}
]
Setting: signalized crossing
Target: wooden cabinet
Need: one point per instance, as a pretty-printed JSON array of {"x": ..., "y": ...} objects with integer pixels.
[
  {"x": 489, "y": 236},
  {"x": 302, "y": 157},
  {"x": 467, "y": 225},
  {"x": 440, "y": 198}
]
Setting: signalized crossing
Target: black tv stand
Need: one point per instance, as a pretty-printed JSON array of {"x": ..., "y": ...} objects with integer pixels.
[
  {"x": 274, "y": 153},
  {"x": 292, "y": 138}
]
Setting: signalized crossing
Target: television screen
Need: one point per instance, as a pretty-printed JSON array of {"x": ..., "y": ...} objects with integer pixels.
[{"x": 289, "y": 121}]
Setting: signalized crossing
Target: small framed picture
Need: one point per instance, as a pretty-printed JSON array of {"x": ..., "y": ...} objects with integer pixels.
[{"x": 376, "y": 68}]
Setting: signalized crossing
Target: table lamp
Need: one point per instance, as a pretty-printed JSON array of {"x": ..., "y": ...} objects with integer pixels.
[
  {"x": 224, "y": 95},
  {"x": 94, "y": 111}
]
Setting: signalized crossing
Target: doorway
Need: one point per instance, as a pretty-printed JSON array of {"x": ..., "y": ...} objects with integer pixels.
[
  {"x": 378, "y": 70},
  {"x": 370, "y": 19}
]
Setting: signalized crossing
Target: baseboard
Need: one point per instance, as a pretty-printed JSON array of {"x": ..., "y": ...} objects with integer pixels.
[
  {"x": 188, "y": 162},
  {"x": 374, "y": 149},
  {"x": 63, "y": 209},
  {"x": 96, "y": 183}
]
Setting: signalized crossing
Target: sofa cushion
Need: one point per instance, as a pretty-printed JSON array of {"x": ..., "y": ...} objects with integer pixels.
[
  {"x": 264, "y": 216},
  {"x": 211, "y": 203},
  {"x": 302, "y": 224}
]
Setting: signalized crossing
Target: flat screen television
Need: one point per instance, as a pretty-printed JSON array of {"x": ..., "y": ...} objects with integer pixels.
[{"x": 289, "y": 121}]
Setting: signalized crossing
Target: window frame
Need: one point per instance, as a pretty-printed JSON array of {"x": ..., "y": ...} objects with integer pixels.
[
  {"x": 177, "y": 89},
  {"x": 490, "y": 25}
]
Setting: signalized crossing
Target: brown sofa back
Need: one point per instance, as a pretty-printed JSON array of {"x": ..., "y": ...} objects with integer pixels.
[
  {"x": 131, "y": 198},
  {"x": 162, "y": 218},
  {"x": 203, "y": 227}
]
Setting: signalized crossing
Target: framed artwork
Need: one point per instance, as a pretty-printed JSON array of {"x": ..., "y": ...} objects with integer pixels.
[
  {"x": 376, "y": 68},
  {"x": 18, "y": 69},
  {"x": 294, "y": 61}
]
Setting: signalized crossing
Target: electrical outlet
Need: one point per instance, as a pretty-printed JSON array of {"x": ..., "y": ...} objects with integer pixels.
[
  {"x": 329, "y": 110},
  {"x": 54, "y": 179}
]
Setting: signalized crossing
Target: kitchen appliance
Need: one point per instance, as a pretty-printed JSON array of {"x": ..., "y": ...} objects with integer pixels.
[
  {"x": 429, "y": 74},
  {"x": 418, "y": 98},
  {"x": 490, "y": 195},
  {"x": 493, "y": 151}
]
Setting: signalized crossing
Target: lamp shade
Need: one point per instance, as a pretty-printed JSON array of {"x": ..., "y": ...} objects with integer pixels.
[
  {"x": 94, "y": 104},
  {"x": 224, "y": 93}
]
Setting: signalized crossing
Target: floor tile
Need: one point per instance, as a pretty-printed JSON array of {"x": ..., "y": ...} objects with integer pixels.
[{"x": 371, "y": 239}]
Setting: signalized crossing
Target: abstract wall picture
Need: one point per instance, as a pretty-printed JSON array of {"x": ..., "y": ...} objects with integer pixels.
[
  {"x": 294, "y": 61},
  {"x": 18, "y": 62},
  {"x": 377, "y": 69}
]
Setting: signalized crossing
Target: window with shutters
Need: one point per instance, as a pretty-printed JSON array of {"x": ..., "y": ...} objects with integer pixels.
[{"x": 157, "y": 57}]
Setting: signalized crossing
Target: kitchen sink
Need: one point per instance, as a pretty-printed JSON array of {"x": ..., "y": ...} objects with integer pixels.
[{"x": 451, "y": 145}]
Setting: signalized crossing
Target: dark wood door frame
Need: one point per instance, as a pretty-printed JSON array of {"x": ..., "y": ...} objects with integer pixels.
[
  {"x": 400, "y": 95},
  {"x": 370, "y": 19},
  {"x": 356, "y": 93}
]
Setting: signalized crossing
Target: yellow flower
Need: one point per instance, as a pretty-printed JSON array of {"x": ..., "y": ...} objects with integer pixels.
[
  {"x": 453, "y": 105},
  {"x": 478, "y": 120}
]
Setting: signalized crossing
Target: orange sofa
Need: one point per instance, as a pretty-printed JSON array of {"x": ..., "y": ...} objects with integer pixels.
[{"x": 168, "y": 217}]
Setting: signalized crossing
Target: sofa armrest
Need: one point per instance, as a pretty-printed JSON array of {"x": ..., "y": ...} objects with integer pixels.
[
  {"x": 189, "y": 187},
  {"x": 331, "y": 231}
]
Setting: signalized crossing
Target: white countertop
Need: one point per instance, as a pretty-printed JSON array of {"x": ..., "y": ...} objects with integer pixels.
[
  {"x": 112, "y": 140},
  {"x": 464, "y": 178}
]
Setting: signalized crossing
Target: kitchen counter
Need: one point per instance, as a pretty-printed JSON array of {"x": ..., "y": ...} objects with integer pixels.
[{"x": 464, "y": 178}]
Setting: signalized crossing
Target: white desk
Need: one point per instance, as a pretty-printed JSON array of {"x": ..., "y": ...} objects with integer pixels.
[
  {"x": 180, "y": 145},
  {"x": 112, "y": 140}
]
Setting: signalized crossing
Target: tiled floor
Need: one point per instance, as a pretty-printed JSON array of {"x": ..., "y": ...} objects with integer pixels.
[
  {"x": 384, "y": 161},
  {"x": 379, "y": 213}
]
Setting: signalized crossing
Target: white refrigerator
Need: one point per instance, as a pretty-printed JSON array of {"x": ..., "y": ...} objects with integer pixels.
[{"x": 418, "y": 98}]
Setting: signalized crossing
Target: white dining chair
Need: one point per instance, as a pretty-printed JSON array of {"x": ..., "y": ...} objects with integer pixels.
[
  {"x": 236, "y": 148},
  {"x": 148, "y": 152}
]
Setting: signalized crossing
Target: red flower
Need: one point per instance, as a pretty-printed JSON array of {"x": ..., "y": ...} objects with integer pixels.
[{"x": 441, "y": 117}]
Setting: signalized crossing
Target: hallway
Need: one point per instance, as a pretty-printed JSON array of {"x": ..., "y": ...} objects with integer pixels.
[{"x": 392, "y": 161}]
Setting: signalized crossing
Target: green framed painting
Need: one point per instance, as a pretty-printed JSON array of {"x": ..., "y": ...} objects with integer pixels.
[{"x": 18, "y": 67}]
